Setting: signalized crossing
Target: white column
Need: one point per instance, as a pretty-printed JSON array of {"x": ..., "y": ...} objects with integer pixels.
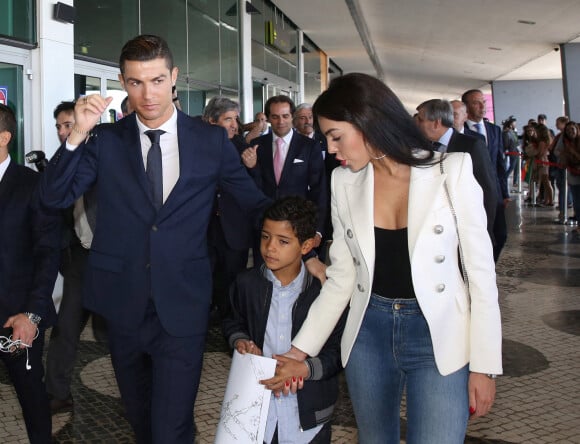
[
  {"x": 52, "y": 74},
  {"x": 245, "y": 63},
  {"x": 300, "y": 67}
]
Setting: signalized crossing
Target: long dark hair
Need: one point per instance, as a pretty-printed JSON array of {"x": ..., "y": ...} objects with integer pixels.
[{"x": 369, "y": 105}]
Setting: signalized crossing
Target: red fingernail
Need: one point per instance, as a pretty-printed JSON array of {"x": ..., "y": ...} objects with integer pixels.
[
  {"x": 293, "y": 378},
  {"x": 471, "y": 410},
  {"x": 301, "y": 379},
  {"x": 287, "y": 383}
]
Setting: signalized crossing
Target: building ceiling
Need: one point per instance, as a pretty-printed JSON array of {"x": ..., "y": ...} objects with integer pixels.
[{"x": 439, "y": 48}]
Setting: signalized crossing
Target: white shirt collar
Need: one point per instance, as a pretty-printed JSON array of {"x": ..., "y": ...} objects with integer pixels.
[
  {"x": 169, "y": 126},
  {"x": 4, "y": 166},
  {"x": 444, "y": 140}
]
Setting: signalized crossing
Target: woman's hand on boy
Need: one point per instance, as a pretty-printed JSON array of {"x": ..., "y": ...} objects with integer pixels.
[
  {"x": 289, "y": 377},
  {"x": 244, "y": 346}
]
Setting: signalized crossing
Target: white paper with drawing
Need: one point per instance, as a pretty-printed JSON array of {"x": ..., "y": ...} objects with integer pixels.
[{"x": 245, "y": 407}]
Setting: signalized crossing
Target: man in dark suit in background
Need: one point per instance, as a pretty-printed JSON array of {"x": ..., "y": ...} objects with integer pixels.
[
  {"x": 231, "y": 231},
  {"x": 155, "y": 174},
  {"x": 476, "y": 108},
  {"x": 286, "y": 162},
  {"x": 435, "y": 118},
  {"x": 29, "y": 257},
  {"x": 304, "y": 124}
]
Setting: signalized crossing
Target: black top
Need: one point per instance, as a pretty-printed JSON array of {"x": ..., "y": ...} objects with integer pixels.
[{"x": 392, "y": 264}]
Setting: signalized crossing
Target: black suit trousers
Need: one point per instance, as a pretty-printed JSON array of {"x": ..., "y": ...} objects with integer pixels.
[
  {"x": 158, "y": 377},
  {"x": 31, "y": 391}
]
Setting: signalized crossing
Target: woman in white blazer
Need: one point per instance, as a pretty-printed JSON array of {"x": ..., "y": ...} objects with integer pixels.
[{"x": 413, "y": 322}]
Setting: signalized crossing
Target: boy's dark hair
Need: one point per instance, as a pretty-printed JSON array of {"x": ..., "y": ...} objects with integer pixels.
[
  {"x": 144, "y": 48},
  {"x": 299, "y": 212},
  {"x": 68, "y": 107},
  {"x": 7, "y": 121}
]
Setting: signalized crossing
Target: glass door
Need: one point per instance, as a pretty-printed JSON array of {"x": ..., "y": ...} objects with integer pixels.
[
  {"x": 11, "y": 95},
  {"x": 91, "y": 78}
]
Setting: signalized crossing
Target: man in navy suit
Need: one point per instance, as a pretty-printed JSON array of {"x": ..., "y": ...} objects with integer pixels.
[
  {"x": 287, "y": 163},
  {"x": 29, "y": 258},
  {"x": 435, "y": 119},
  {"x": 231, "y": 231},
  {"x": 478, "y": 126},
  {"x": 155, "y": 174}
]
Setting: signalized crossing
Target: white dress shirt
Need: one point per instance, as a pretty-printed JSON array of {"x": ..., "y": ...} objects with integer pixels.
[
  {"x": 4, "y": 166},
  {"x": 169, "y": 151}
]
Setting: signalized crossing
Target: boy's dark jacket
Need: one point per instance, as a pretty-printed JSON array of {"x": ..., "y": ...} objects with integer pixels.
[{"x": 250, "y": 297}]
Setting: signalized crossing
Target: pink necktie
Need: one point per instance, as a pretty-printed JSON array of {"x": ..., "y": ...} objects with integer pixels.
[{"x": 278, "y": 159}]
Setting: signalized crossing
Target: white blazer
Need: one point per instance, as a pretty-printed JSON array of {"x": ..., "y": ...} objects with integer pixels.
[{"x": 462, "y": 330}]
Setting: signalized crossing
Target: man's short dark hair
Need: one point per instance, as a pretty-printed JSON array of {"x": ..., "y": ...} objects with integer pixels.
[
  {"x": 542, "y": 117},
  {"x": 144, "y": 48},
  {"x": 64, "y": 106},
  {"x": 299, "y": 212},
  {"x": 7, "y": 121},
  {"x": 436, "y": 109},
  {"x": 279, "y": 99},
  {"x": 467, "y": 93},
  {"x": 218, "y": 106}
]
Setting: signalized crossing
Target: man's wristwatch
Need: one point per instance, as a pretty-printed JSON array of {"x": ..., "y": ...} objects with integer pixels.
[
  {"x": 491, "y": 376},
  {"x": 34, "y": 318}
]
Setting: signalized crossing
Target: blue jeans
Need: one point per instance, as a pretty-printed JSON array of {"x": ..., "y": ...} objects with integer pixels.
[{"x": 393, "y": 349}]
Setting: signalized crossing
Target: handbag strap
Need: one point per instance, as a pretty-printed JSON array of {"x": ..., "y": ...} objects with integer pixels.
[{"x": 448, "y": 195}]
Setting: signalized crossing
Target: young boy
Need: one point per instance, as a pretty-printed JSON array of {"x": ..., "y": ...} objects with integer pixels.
[{"x": 267, "y": 308}]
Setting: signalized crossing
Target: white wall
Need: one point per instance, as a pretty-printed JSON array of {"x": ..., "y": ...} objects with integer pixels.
[
  {"x": 525, "y": 99},
  {"x": 53, "y": 78}
]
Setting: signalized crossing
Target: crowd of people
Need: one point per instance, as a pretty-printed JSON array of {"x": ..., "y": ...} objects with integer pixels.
[
  {"x": 550, "y": 165},
  {"x": 374, "y": 237}
]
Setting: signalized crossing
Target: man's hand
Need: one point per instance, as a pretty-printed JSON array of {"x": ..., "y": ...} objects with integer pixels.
[
  {"x": 88, "y": 110},
  {"x": 249, "y": 157},
  {"x": 23, "y": 329},
  {"x": 316, "y": 268},
  {"x": 481, "y": 394},
  {"x": 244, "y": 346},
  {"x": 317, "y": 240}
]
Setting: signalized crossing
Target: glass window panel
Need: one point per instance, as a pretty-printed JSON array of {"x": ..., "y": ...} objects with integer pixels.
[
  {"x": 167, "y": 20},
  {"x": 116, "y": 91},
  {"x": 311, "y": 72},
  {"x": 229, "y": 47},
  {"x": 102, "y": 27},
  {"x": 204, "y": 56},
  {"x": 17, "y": 19},
  {"x": 11, "y": 93}
]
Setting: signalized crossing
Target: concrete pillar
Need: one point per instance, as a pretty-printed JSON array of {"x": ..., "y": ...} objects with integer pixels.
[
  {"x": 300, "y": 67},
  {"x": 53, "y": 74},
  {"x": 245, "y": 63},
  {"x": 571, "y": 79}
]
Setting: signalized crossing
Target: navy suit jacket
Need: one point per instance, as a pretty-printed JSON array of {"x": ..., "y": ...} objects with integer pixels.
[
  {"x": 29, "y": 247},
  {"x": 139, "y": 254},
  {"x": 237, "y": 225},
  {"x": 303, "y": 173},
  {"x": 482, "y": 171},
  {"x": 496, "y": 155}
]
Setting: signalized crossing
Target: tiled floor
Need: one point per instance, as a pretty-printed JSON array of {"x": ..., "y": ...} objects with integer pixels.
[{"x": 538, "y": 398}]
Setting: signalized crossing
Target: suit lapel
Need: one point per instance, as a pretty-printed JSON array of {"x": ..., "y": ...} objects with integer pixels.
[
  {"x": 360, "y": 197},
  {"x": 132, "y": 141},
  {"x": 267, "y": 157},
  {"x": 291, "y": 154},
  {"x": 7, "y": 182},
  {"x": 186, "y": 140},
  {"x": 424, "y": 187}
]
